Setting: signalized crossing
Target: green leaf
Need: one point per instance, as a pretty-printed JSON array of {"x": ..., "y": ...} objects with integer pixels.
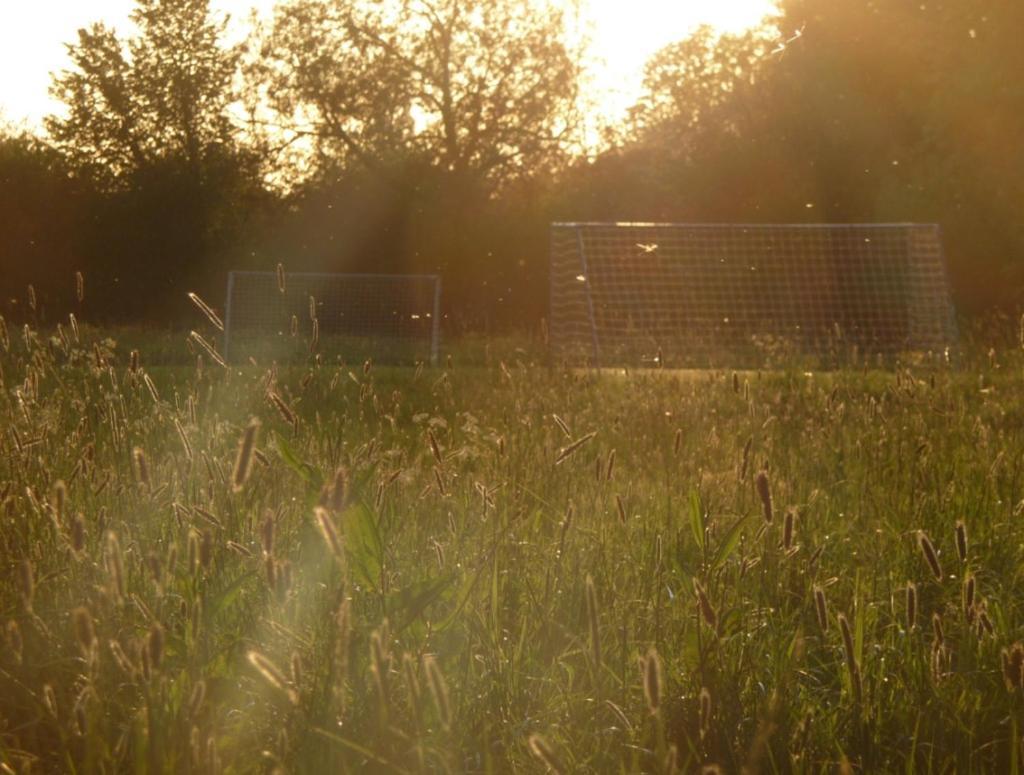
[
  {"x": 226, "y": 596},
  {"x": 409, "y": 603},
  {"x": 697, "y": 519},
  {"x": 363, "y": 544},
  {"x": 309, "y": 474},
  {"x": 728, "y": 543}
]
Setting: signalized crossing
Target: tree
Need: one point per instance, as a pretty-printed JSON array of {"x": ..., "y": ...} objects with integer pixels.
[
  {"x": 703, "y": 84},
  {"x": 149, "y": 122},
  {"x": 40, "y": 213},
  {"x": 482, "y": 90}
]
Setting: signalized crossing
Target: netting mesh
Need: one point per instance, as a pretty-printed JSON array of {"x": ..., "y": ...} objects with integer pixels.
[
  {"x": 688, "y": 294},
  {"x": 390, "y": 318}
]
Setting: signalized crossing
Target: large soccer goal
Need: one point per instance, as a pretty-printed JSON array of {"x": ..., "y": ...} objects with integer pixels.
[
  {"x": 723, "y": 294},
  {"x": 279, "y": 316}
]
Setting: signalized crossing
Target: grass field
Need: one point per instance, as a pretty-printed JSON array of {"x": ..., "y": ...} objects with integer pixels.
[{"x": 505, "y": 567}]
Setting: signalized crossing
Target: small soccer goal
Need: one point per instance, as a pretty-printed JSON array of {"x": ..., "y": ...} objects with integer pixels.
[
  {"x": 290, "y": 316},
  {"x": 722, "y": 294}
]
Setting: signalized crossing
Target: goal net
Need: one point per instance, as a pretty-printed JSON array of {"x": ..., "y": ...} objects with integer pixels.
[
  {"x": 289, "y": 316},
  {"x": 719, "y": 294}
]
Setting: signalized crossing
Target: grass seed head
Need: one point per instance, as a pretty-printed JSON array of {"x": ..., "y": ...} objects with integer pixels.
[
  {"x": 652, "y": 681},
  {"x": 243, "y": 460},
  {"x": 707, "y": 611},
  {"x": 206, "y": 310},
  {"x": 270, "y": 673},
  {"x": 545, "y": 753},
  {"x": 961, "y": 540},
  {"x": 850, "y": 653},
  {"x": 142, "y": 467},
  {"x": 438, "y": 691},
  {"x": 705, "y": 711},
  {"x": 115, "y": 566},
  {"x": 821, "y": 608},
  {"x": 85, "y": 633},
  {"x": 338, "y": 491},
  {"x": 593, "y": 621},
  {"x": 765, "y": 494},
  {"x": 28, "y": 583},
  {"x": 329, "y": 533},
  {"x": 155, "y": 645},
  {"x": 1013, "y": 666},
  {"x": 929, "y": 554},
  {"x": 937, "y": 631},
  {"x": 12, "y": 635},
  {"x": 911, "y": 605},
  {"x": 969, "y": 597}
]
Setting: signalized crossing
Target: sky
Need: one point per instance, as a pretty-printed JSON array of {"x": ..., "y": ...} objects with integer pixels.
[{"x": 623, "y": 33}]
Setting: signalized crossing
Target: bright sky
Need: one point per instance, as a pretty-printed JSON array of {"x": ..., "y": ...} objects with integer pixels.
[{"x": 624, "y": 34}]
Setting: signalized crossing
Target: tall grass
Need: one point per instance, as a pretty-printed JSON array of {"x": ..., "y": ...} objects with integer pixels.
[{"x": 510, "y": 567}]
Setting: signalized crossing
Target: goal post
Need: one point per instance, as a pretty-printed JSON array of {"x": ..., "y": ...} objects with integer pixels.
[
  {"x": 289, "y": 316},
  {"x": 681, "y": 294}
]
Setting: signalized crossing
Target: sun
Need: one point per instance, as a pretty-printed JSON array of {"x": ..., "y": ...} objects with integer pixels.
[{"x": 624, "y": 34}]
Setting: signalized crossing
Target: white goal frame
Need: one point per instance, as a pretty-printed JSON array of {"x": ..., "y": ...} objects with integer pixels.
[
  {"x": 683, "y": 294},
  {"x": 327, "y": 298}
]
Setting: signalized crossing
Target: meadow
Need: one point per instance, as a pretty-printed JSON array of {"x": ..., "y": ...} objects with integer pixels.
[{"x": 502, "y": 565}]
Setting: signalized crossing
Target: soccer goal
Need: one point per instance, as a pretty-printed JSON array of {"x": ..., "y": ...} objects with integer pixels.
[
  {"x": 288, "y": 316},
  {"x": 721, "y": 294}
]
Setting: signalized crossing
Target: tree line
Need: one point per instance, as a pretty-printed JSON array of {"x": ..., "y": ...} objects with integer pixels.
[{"x": 445, "y": 135}]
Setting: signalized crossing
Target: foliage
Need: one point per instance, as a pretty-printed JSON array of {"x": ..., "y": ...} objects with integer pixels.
[
  {"x": 483, "y": 89},
  {"x": 161, "y": 95}
]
